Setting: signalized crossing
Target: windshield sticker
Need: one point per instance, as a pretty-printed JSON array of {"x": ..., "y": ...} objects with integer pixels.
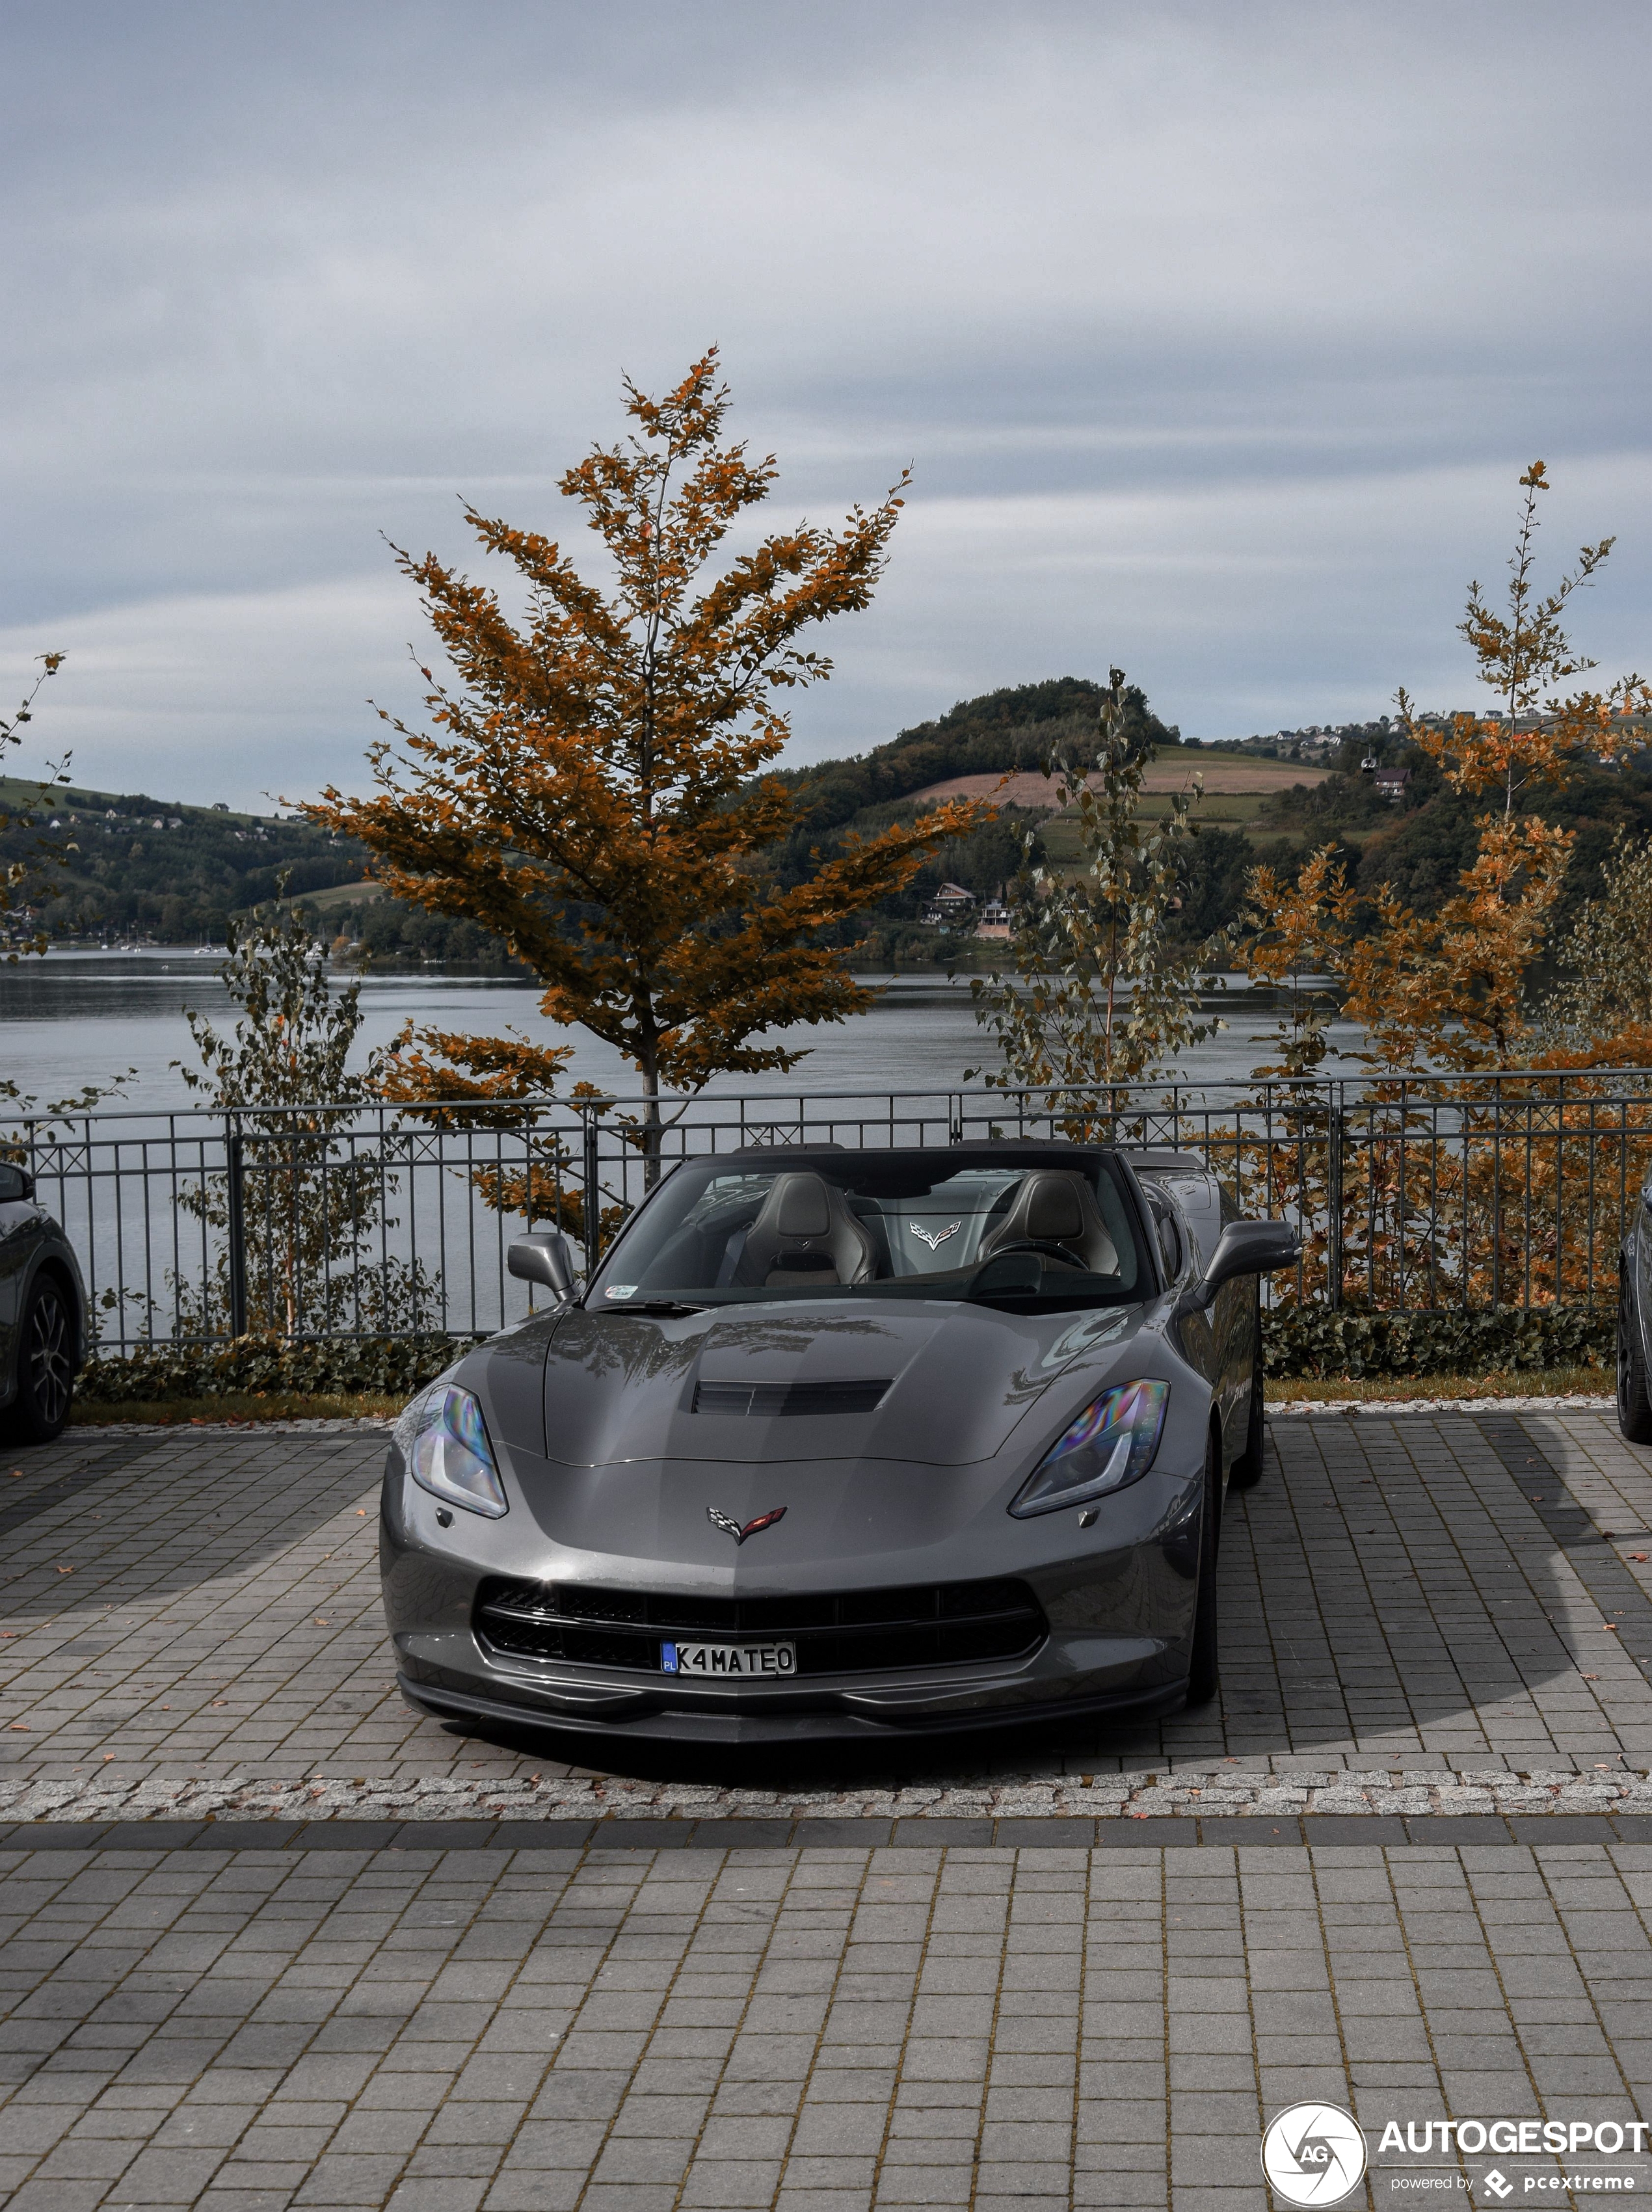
[{"x": 621, "y": 1291}]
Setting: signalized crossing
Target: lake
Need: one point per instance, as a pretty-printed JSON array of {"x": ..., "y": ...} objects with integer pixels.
[{"x": 78, "y": 1017}]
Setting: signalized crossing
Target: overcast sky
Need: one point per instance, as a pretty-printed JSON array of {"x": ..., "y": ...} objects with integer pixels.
[{"x": 1217, "y": 336}]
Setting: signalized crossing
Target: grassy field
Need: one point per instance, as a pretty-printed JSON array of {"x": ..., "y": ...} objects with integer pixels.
[{"x": 337, "y": 895}]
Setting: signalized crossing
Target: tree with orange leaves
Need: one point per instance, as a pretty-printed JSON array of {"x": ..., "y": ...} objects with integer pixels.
[
  {"x": 1448, "y": 989},
  {"x": 1388, "y": 1219},
  {"x": 1533, "y": 739},
  {"x": 592, "y": 787},
  {"x": 1442, "y": 990}
]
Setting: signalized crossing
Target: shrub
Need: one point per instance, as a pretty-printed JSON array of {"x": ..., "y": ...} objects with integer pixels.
[
  {"x": 395, "y": 1366},
  {"x": 1299, "y": 1340}
]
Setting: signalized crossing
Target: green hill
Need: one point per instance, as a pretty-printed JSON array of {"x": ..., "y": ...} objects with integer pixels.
[
  {"x": 148, "y": 869},
  {"x": 137, "y": 867}
]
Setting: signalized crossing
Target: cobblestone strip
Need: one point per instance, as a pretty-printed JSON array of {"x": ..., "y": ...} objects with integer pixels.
[{"x": 1194, "y": 1791}]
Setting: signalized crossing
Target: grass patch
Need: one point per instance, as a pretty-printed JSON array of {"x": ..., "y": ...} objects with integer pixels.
[
  {"x": 241, "y": 1408},
  {"x": 1381, "y": 1390}
]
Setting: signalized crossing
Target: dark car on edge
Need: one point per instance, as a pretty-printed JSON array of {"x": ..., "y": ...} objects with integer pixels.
[{"x": 42, "y": 1314}]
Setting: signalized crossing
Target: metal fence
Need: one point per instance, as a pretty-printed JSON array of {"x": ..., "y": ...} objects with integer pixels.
[{"x": 323, "y": 1221}]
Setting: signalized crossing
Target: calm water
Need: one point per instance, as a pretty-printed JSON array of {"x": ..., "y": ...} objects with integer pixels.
[{"x": 79, "y": 1018}]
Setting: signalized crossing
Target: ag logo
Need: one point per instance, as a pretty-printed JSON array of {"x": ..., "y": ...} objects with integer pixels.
[{"x": 1314, "y": 2155}]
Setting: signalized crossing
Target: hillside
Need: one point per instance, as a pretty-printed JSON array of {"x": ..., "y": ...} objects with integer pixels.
[
  {"x": 145, "y": 870},
  {"x": 137, "y": 868}
]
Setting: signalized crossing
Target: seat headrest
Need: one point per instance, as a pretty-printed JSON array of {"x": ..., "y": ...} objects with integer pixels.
[
  {"x": 1053, "y": 1209},
  {"x": 801, "y": 1207}
]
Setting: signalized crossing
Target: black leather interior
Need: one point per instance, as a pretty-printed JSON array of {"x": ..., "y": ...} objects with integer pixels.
[
  {"x": 804, "y": 1233},
  {"x": 1054, "y": 1206}
]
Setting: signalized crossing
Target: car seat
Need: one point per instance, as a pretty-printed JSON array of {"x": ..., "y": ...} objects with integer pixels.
[
  {"x": 804, "y": 1233},
  {"x": 1055, "y": 1207}
]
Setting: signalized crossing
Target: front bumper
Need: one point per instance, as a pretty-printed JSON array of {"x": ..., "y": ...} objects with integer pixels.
[{"x": 1118, "y": 1598}]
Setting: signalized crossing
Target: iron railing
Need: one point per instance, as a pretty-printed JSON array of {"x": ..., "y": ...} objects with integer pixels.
[{"x": 351, "y": 1221}]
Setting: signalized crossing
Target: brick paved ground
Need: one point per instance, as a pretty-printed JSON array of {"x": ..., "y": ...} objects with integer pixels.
[
  {"x": 199, "y": 1603},
  {"x": 636, "y": 2031},
  {"x": 633, "y": 2031}
]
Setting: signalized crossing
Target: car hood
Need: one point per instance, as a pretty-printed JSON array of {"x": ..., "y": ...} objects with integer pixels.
[{"x": 932, "y": 1383}]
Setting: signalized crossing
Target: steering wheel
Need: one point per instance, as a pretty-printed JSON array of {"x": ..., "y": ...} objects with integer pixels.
[{"x": 1045, "y": 1247}]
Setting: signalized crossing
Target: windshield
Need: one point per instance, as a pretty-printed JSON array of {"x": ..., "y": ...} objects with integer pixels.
[{"x": 1048, "y": 1231}]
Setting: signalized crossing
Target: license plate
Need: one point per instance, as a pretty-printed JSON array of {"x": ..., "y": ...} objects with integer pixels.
[{"x": 722, "y": 1659}]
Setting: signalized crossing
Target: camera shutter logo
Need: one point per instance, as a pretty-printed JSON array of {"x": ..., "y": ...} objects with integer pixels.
[{"x": 1314, "y": 2155}]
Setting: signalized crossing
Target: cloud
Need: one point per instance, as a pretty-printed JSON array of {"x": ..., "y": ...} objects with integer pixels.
[{"x": 1228, "y": 329}]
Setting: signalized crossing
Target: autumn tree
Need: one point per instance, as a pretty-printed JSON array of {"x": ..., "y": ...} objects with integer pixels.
[
  {"x": 1449, "y": 990},
  {"x": 314, "y": 1186},
  {"x": 590, "y": 786},
  {"x": 1387, "y": 1217},
  {"x": 1602, "y": 996},
  {"x": 1094, "y": 995},
  {"x": 1537, "y": 736}
]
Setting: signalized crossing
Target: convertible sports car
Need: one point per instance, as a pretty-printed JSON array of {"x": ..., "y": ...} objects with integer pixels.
[{"x": 844, "y": 1445}]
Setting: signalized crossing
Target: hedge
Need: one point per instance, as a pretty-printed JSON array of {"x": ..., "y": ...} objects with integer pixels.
[
  {"x": 1296, "y": 1341},
  {"x": 391, "y": 1367},
  {"x": 1312, "y": 1340}
]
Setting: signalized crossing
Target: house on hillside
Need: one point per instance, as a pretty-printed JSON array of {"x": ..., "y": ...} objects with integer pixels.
[
  {"x": 1391, "y": 782},
  {"x": 951, "y": 905}
]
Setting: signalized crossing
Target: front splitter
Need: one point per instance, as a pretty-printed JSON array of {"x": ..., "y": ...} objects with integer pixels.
[{"x": 681, "y": 1728}]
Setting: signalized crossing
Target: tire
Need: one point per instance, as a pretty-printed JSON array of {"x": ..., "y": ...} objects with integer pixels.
[
  {"x": 1204, "y": 1661},
  {"x": 1634, "y": 1402},
  {"x": 46, "y": 1365},
  {"x": 1247, "y": 1470}
]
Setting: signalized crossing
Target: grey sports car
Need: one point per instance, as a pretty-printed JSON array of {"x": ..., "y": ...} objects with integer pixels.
[{"x": 844, "y": 1445}]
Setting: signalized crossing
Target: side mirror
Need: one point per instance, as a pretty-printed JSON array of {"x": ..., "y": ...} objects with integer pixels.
[
  {"x": 543, "y": 1259},
  {"x": 15, "y": 1182},
  {"x": 1244, "y": 1248}
]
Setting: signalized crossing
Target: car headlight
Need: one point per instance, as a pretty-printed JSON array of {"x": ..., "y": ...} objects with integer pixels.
[
  {"x": 444, "y": 1441},
  {"x": 1111, "y": 1444}
]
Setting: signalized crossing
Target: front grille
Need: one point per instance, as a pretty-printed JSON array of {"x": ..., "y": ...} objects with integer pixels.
[
  {"x": 745, "y": 1398},
  {"x": 839, "y": 1633}
]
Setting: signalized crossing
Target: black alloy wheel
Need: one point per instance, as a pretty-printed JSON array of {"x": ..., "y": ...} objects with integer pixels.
[
  {"x": 1634, "y": 1402},
  {"x": 1204, "y": 1661},
  {"x": 1247, "y": 1470},
  {"x": 46, "y": 1365}
]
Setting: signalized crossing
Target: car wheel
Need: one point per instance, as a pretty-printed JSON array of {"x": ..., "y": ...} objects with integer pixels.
[
  {"x": 46, "y": 1365},
  {"x": 1634, "y": 1403},
  {"x": 1247, "y": 1470},
  {"x": 1204, "y": 1665}
]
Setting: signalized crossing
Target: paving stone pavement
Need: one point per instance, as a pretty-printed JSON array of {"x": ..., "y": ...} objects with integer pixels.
[
  {"x": 1451, "y": 1591},
  {"x": 345, "y": 2017},
  {"x": 636, "y": 2032}
]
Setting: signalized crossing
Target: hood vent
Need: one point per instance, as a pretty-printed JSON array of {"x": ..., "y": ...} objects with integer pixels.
[{"x": 771, "y": 1398}]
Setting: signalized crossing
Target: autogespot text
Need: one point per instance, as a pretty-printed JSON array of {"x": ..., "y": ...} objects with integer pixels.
[{"x": 1515, "y": 2137}]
